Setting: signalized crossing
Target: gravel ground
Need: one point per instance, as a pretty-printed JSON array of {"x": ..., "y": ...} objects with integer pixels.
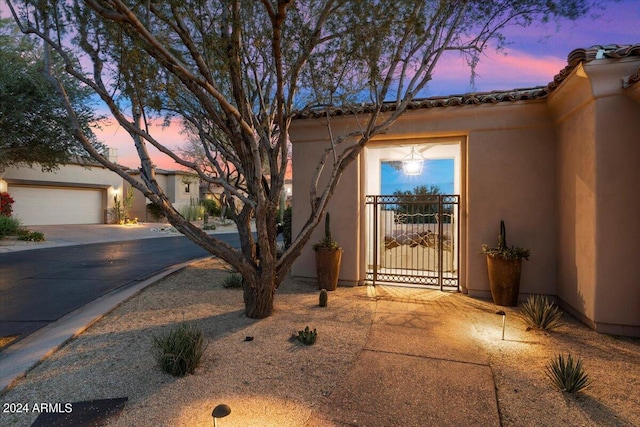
[{"x": 272, "y": 381}]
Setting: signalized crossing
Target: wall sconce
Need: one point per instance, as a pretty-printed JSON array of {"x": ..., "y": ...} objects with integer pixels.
[
  {"x": 220, "y": 411},
  {"x": 412, "y": 164}
]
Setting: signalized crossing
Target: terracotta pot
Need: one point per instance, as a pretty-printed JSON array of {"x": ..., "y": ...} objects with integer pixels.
[
  {"x": 504, "y": 280},
  {"x": 328, "y": 267}
]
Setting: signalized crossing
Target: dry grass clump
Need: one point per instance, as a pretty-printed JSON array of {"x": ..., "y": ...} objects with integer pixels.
[{"x": 179, "y": 351}]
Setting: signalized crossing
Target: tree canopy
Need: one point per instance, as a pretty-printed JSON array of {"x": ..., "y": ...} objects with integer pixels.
[
  {"x": 235, "y": 72},
  {"x": 34, "y": 128}
]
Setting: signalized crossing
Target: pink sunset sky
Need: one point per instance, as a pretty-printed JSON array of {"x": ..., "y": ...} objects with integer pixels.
[{"x": 533, "y": 56}]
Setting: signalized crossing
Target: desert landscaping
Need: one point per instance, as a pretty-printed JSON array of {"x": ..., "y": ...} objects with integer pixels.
[{"x": 268, "y": 379}]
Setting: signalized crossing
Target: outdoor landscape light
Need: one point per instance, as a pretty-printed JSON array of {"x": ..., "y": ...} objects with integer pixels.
[
  {"x": 412, "y": 165},
  {"x": 220, "y": 411},
  {"x": 504, "y": 319}
]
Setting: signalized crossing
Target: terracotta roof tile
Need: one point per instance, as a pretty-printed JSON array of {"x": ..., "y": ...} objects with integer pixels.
[
  {"x": 632, "y": 79},
  {"x": 576, "y": 57},
  {"x": 602, "y": 52}
]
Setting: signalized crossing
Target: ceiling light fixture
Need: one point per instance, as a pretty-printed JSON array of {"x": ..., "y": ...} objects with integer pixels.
[{"x": 412, "y": 164}]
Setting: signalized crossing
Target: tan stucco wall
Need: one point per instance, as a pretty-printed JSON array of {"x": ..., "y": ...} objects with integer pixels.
[
  {"x": 599, "y": 184},
  {"x": 345, "y": 208},
  {"x": 174, "y": 188},
  {"x": 509, "y": 175}
]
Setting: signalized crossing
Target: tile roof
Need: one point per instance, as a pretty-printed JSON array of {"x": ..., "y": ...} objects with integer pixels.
[
  {"x": 632, "y": 79},
  {"x": 575, "y": 58}
]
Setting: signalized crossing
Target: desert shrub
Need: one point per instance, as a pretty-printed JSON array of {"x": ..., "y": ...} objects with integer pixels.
[
  {"x": 9, "y": 226},
  {"x": 567, "y": 374},
  {"x": 6, "y": 204},
  {"x": 121, "y": 208},
  {"x": 31, "y": 236},
  {"x": 155, "y": 210},
  {"x": 179, "y": 351},
  {"x": 211, "y": 207},
  {"x": 540, "y": 313},
  {"x": 193, "y": 211},
  {"x": 232, "y": 281}
]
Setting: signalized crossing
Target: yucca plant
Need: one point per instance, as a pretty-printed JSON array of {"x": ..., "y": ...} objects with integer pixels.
[
  {"x": 567, "y": 374},
  {"x": 179, "y": 351},
  {"x": 540, "y": 313}
]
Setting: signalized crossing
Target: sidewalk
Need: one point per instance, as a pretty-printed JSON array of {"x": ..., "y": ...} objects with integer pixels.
[
  {"x": 68, "y": 235},
  {"x": 419, "y": 368}
]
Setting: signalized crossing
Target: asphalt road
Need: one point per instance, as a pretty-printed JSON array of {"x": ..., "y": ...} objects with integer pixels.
[{"x": 40, "y": 286}]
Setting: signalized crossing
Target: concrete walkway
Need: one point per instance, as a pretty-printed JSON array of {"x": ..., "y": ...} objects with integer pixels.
[{"x": 420, "y": 367}]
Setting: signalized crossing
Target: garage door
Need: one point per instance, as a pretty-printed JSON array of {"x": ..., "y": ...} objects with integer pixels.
[{"x": 51, "y": 206}]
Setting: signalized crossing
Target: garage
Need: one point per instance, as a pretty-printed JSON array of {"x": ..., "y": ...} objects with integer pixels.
[{"x": 41, "y": 205}]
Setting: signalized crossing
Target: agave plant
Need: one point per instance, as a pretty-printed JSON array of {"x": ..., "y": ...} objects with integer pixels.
[
  {"x": 540, "y": 313},
  {"x": 567, "y": 374}
]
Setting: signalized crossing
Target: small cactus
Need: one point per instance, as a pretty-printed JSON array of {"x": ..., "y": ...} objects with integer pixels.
[
  {"x": 307, "y": 336},
  {"x": 502, "y": 237},
  {"x": 327, "y": 228},
  {"x": 324, "y": 298},
  {"x": 328, "y": 241}
]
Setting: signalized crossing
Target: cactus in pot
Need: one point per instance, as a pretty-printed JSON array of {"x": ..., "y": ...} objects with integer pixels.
[
  {"x": 328, "y": 258},
  {"x": 504, "y": 265}
]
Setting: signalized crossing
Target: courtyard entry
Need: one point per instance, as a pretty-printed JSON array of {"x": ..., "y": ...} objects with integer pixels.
[{"x": 413, "y": 215}]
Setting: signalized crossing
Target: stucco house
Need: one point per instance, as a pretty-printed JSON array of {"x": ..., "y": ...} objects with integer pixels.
[
  {"x": 558, "y": 163},
  {"x": 182, "y": 188},
  {"x": 76, "y": 193},
  {"x": 83, "y": 191}
]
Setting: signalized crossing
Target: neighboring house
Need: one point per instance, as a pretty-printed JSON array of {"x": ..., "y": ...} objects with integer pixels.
[
  {"x": 182, "y": 189},
  {"x": 83, "y": 192},
  {"x": 76, "y": 193},
  {"x": 560, "y": 164}
]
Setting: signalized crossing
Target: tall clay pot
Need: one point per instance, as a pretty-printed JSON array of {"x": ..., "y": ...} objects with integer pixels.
[
  {"x": 328, "y": 267},
  {"x": 504, "y": 280}
]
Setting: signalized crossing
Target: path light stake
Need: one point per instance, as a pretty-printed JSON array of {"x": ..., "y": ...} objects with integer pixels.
[
  {"x": 504, "y": 319},
  {"x": 220, "y": 411}
]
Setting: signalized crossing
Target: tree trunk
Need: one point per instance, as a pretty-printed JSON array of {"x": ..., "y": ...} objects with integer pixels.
[{"x": 258, "y": 296}]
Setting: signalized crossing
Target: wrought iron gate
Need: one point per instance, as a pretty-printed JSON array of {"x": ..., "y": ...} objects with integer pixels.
[{"x": 414, "y": 240}]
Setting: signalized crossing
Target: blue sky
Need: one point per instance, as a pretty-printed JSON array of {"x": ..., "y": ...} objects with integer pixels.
[
  {"x": 534, "y": 55},
  {"x": 435, "y": 172}
]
